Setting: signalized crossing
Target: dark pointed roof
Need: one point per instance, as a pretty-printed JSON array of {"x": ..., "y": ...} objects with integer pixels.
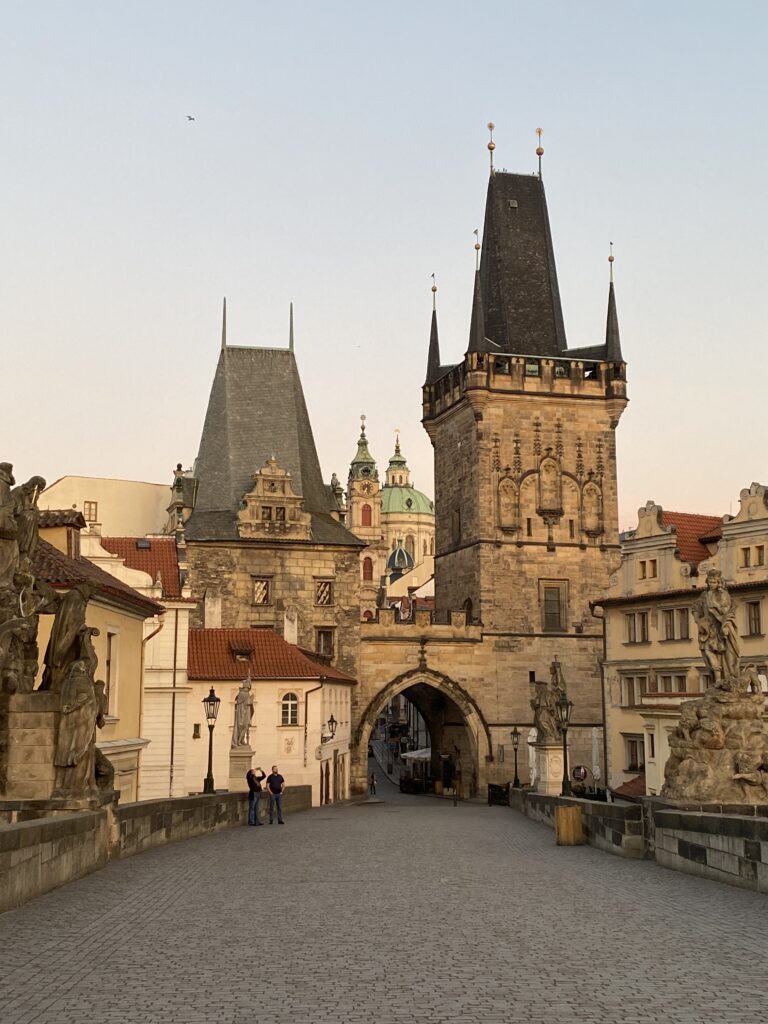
[
  {"x": 256, "y": 410},
  {"x": 433, "y": 359},
  {"x": 521, "y": 297},
  {"x": 612, "y": 340},
  {"x": 477, "y": 339}
]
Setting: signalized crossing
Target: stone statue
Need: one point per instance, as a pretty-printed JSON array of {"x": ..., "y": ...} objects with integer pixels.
[
  {"x": 715, "y": 615},
  {"x": 27, "y": 516},
  {"x": 68, "y": 637},
  {"x": 9, "y": 530},
  {"x": 243, "y": 714},
  {"x": 75, "y": 751},
  {"x": 718, "y": 749},
  {"x": 533, "y": 737},
  {"x": 544, "y": 705}
]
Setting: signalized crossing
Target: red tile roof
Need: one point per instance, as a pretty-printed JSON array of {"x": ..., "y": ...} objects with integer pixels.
[
  {"x": 160, "y": 557},
  {"x": 59, "y": 570},
  {"x": 51, "y": 517},
  {"x": 631, "y": 789},
  {"x": 213, "y": 655},
  {"x": 689, "y": 529}
]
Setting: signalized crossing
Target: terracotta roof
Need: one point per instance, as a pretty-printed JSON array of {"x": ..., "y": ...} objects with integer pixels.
[
  {"x": 213, "y": 654},
  {"x": 631, "y": 789},
  {"x": 689, "y": 530},
  {"x": 150, "y": 555},
  {"x": 59, "y": 570},
  {"x": 49, "y": 518}
]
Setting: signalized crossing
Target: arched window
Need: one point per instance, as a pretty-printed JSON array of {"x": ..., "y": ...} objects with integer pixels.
[
  {"x": 366, "y": 514},
  {"x": 289, "y": 709},
  {"x": 368, "y": 569},
  {"x": 368, "y": 615},
  {"x": 468, "y": 610},
  {"x": 410, "y": 546}
]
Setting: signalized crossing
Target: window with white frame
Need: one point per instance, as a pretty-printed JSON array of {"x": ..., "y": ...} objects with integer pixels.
[
  {"x": 675, "y": 623},
  {"x": 289, "y": 709},
  {"x": 634, "y": 753},
  {"x": 636, "y": 627},
  {"x": 754, "y": 620},
  {"x": 111, "y": 667},
  {"x": 632, "y": 690}
]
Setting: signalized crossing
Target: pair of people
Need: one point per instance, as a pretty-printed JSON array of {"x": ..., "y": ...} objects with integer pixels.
[{"x": 275, "y": 786}]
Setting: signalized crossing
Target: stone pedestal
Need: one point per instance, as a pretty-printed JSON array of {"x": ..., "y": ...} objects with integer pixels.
[
  {"x": 549, "y": 768},
  {"x": 240, "y": 760},
  {"x": 28, "y": 723}
]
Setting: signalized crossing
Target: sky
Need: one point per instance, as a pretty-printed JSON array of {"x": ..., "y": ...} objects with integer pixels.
[{"x": 337, "y": 159}]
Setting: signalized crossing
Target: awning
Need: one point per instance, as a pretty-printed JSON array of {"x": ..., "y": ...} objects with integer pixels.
[{"x": 425, "y": 754}]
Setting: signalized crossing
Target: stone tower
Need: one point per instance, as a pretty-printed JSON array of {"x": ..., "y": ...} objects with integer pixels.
[{"x": 523, "y": 435}]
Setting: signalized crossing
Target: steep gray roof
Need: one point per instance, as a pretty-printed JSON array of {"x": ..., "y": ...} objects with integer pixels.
[
  {"x": 256, "y": 409},
  {"x": 521, "y": 298}
]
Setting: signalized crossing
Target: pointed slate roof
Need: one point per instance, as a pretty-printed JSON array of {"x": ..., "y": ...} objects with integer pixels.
[
  {"x": 520, "y": 293},
  {"x": 256, "y": 409},
  {"x": 433, "y": 359},
  {"x": 477, "y": 339},
  {"x": 612, "y": 340}
]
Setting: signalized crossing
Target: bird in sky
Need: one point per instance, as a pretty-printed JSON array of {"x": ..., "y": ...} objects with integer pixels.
[{"x": 190, "y": 118}]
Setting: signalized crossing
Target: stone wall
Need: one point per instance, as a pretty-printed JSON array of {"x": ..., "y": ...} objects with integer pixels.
[
  {"x": 39, "y": 855},
  {"x": 28, "y": 724},
  {"x": 614, "y": 828},
  {"x": 36, "y": 856},
  {"x": 729, "y": 848}
]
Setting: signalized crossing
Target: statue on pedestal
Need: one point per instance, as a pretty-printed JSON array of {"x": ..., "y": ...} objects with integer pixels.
[
  {"x": 719, "y": 749},
  {"x": 75, "y": 754},
  {"x": 544, "y": 706},
  {"x": 243, "y": 714}
]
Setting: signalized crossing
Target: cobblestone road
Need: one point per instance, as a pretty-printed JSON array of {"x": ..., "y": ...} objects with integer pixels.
[{"x": 404, "y": 910}]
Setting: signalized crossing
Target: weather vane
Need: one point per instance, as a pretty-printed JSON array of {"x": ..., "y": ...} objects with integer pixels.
[
  {"x": 611, "y": 259},
  {"x": 476, "y": 233},
  {"x": 491, "y": 144},
  {"x": 539, "y": 148}
]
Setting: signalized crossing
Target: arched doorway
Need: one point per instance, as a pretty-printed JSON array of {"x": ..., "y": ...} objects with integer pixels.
[{"x": 458, "y": 733}]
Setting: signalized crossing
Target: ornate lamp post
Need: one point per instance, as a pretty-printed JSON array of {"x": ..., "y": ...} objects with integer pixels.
[
  {"x": 332, "y": 726},
  {"x": 515, "y": 735},
  {"x": 211, "y": 704},
  {"x": 564, "y": 708}
]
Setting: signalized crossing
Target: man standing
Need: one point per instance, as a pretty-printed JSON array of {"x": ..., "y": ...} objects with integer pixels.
[
  {"x": 275, "y": 787},
  {"x": 254, "y": 793}
]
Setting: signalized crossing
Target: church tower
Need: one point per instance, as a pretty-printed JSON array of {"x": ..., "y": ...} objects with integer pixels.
[{"x": 523, "y": 436}]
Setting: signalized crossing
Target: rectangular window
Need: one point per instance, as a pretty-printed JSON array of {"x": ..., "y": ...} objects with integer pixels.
[
  {"x": 110, "y": 674},
  {"x": 651, "y": 745},
  {"x": 571, "y": 529},
  {"x": 631, "y": 629},
  {"x": 760, "y": 554},
  {"x": 262, "y": 590},
  {"x": 324, "y": 592},
  {"x": 681, "y": 683},
  {"x": 746, "y": 560},
  {"x": 652, "y": 571},
  {"x": 91, "y": 511},
  {"x": 753, "y": 618},
  {"x": 553, "y": 610},
  {"x": 682, "y": 624},
  {"x": 642, "y": 569},
  {"x": 280, "y": 514},
  {"x": 634, "y": 749},
  {"x": 266, "y": 513},
  {"x": 324, "y": 642},
  {"x": 665, "y": 684},
  {"x": 669, "y": 624},
  {"x": 642, "y": 627},
  {"x": 529, "y": 527},
  {"x": 633, "y": 689},
  {"x": 637, "y": 627}
]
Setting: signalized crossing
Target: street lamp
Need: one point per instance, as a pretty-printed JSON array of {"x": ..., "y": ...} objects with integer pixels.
[
  {"x": 564, "y": 707},
  {"x": 211, "y": 704},
  {"x": 515, "y": 734},
  {"x": 332, "y": 726}
]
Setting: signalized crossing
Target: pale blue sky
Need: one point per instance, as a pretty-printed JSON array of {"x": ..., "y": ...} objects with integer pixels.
[{"x": 337, "y": 159}]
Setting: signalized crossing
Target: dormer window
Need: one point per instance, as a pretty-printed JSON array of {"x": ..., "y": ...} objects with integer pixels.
[{"x": 266, "y": 513}]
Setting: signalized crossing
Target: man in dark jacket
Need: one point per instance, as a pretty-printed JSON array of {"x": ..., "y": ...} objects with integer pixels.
[
  {"x": 254, "y": 781},
  {"x": 275, "y": 787}
]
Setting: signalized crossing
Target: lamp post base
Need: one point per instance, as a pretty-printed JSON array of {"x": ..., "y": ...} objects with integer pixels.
[{"x": 208, "y": 785}]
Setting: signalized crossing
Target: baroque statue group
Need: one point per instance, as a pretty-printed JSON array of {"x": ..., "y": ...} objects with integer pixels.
[{"x": 70, "y": 661}]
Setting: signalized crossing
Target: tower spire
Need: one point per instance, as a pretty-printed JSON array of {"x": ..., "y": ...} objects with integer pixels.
[
  {"x": 433, "y": 359},
  {"x": 224, "y": 325},
  {"x": 491, "y": 144},
  {"x": 612, "y": 340},
  {"x": 477, "y": 339},
  {"x": 290, "y": 331},
  {"x": 539, "y": 148}
]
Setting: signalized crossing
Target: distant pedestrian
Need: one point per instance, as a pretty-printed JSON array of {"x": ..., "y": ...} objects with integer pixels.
[
  {"x": 275, "y": 787},
  {"x": 254, "y": 781},
  {"x": 372, "y": 784}
]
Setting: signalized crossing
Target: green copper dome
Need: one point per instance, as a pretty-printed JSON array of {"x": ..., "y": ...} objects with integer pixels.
[{"x": 405, "y": 499}]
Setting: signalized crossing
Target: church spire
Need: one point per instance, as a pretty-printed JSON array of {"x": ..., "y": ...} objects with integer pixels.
[
  {"x": 612, "y": 340},
  {"x": 433, "y": 359},
  {"x": 477, "y": 339}
]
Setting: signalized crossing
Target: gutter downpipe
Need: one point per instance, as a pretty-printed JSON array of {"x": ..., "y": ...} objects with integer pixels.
[
  {"x": 306, "y": 713},
  {"x": 173, "y": 700},
  {"x": 602, "y": 689},
  {"x": 144, "y": 642}
]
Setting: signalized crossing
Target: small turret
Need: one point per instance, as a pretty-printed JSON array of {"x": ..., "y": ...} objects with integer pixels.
[
  {"x": 363, "y": 466},
  {"x": 612, "y": 340}
]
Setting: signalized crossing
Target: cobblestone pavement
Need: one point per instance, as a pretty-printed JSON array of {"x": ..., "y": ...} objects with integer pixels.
[{"x": 399, "y": 909}]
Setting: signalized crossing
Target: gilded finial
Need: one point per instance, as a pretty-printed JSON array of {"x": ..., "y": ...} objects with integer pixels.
[
  {"x": 611, "y": 259},
  {"x": 476, "y": 233},
  {"x": 539, "y": 148},
  {"x": 491, "y": 144},
  {"x": 397, "y": 440},
  {"x": 434, "y": 293}
]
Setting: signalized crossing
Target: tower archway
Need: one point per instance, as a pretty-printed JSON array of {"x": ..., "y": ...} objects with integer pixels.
[{"x": 453, "y": 720}]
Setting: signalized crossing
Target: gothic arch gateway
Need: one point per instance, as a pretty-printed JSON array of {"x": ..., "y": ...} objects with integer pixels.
[{"x": 453, "y": 719}]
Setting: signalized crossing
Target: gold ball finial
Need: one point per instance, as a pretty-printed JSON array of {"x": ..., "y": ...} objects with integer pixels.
[
  {"x": 491, "y": 146},
  {"x": 477, "y": 246},
  {"x": 539, "y": 132},
  {"x": 611, "y": 257},
  {"x": 539, "y": 151},
  {"x": 434, "y": 288}
]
